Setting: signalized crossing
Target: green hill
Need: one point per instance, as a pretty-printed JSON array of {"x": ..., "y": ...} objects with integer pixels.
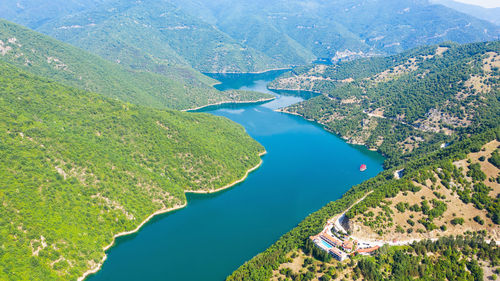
[
  {"x": 406, "y": 104},
  {"x": 181, "y": 88},
  {"x": 78, "y": 168}
]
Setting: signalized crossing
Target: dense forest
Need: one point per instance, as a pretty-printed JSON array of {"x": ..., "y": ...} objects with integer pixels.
[
  {"x": 175, "y": 87},
  {"x": 407, "y": 104},
  {"x": 266, "y": 265},
  {"x": 243, "y": 36},
  {"x": 78, "y": 168}
]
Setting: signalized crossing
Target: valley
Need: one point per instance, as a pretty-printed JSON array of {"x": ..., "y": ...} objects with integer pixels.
[
  {"x": 45, "y": 56},
  {"x": 249, "y": 141},
  {"x": 236, "y": 224}
]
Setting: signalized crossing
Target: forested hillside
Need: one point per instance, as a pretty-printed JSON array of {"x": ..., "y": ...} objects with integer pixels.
[
  {"x": 177, "y": 89},
  {"x": 467, "y": 256},
  {"x": 78, "y": 168},
  {"x": 448, "y": 258},
  {"x": 92, "y": 143},
  {"x": 245, "y": 36},
  {"x": 407, "y": 104}
]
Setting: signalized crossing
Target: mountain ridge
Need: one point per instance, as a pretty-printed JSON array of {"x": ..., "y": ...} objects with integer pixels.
[
  {"x": 489, "y": 14},
  {"x": 179, "y": 88},
  {"x": 237, "y": 36}
]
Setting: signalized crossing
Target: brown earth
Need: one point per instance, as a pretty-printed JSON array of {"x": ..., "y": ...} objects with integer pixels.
[{"x": 455, "y": 208}]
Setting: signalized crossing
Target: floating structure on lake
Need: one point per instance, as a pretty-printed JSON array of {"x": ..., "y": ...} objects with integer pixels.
[{"x": 362, "y": 168}]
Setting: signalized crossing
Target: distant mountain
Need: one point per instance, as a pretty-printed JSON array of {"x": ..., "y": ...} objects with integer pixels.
[
  {"x": 145, "y": 35},
  {"x": 245, "y": 36},
  {"x": 180, "y": 88},
  {"x": 489, "y": 14},
  {"x": 339, "y": 29},
  {"x": 78, "y": 168}
]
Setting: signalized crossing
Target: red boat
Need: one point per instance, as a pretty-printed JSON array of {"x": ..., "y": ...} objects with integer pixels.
[{"x": 362, "y": 168}]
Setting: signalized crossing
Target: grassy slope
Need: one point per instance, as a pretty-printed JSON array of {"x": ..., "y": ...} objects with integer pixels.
[
  {"x": 442, "y": 193},
  {"x": 42, "y": 55},
  {"x": 77, "y": 168},
  {"x": 425, "y": 98}
]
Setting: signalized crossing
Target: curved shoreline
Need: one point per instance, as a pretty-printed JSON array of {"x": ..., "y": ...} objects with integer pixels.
[
  {"x": 228, "y": 102},
  {"x": 254, "y": 72},
  {"x": 163, "y": 211},
  {"x": 107, "y": 247},
  {"x": 230, "y": 184},
  {"x": 294, "y": 90},
  {"x": 282, "y": 110}
]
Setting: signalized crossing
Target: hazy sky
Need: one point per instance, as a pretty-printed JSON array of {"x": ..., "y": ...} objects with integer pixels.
[{"x": 484, "y": 3}]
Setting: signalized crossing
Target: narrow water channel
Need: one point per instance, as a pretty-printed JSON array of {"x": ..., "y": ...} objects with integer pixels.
[{"x": 305, "y": 168}]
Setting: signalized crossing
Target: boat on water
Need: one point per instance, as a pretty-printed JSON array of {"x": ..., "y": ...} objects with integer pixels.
[{"x": 362, "y": 168}]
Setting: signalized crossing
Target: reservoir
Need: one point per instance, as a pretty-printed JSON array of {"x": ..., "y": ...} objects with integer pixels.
[{"x": 305, "y": 168}]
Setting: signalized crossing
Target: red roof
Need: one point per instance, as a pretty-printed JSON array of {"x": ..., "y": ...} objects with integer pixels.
[
  {"x": 368, "y": 250},
  {"x": 348, "y": 244},
  {"x": 331, "y": 239}
]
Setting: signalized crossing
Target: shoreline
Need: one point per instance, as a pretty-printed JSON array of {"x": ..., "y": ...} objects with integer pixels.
[
  {"x": 215, "y": 83},
  {"x": 163, "y": 211},
  {"x": 125, "y": 233},
  {"x": 293, "y": 90},
  {"x": 253, "y": 72},
  {"x": 228, "y": 102},
  {"x": 281, "y": 110},
  {"x": 256, "y": 72},
  {"x": 230, "y": 184}
]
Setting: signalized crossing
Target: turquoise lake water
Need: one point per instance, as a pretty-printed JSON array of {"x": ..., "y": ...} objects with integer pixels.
[{"x": 305, "y": 168}]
